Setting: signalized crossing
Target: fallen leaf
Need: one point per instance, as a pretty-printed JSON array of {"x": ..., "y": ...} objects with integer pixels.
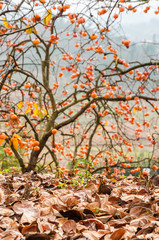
[
  {"x": 72, "y": 214},
  {"x": 93, "y": 235},
  {"x": 92, "y": 224},
  {"x": 118, "y": 234},
  {"x": 140, "y": 211},
  {"x": 29, "y": 211},
  {"x": 69, "y": 226},
  {"x": 4, "y": 211},
  {"x": 155, "y": 180},
  {"x": 32, "y": 228},
  {"x": 38, "y": 236}
]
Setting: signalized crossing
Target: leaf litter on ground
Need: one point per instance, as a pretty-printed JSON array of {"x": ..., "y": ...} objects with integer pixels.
[{"x": 36, "y": 207}]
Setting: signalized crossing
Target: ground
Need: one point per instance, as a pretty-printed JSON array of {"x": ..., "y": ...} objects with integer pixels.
[{"x": 36, "y": 206}]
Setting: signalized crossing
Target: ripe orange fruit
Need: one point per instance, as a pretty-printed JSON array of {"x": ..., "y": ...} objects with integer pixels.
[
  {"x": 154, "y": 167},
  {"x": 128, "y": 97},
  {"x": 36, "y": 143},
  {"x": 134, "y": 10},
  {"x": 36, "y": 148},
  {"x": 27, "y": 85},
  {"x": 93, "y": 95},
  {"x": 1, "y": 5},
  {"x": 130, "y": 6},
  {"x": 37, "y": 17},
  {"x": 106, "y": 95},
  {"x": 75, "y": 86},
  {"x": 60, "y": 74},
  {"x": 36, "y": 41},
  {"x": 3, "y": 136},
  {"x": 54, "y": 131},
  {"x": 122, "y": 9},
  {"x": 43, "y": 1},
  {"x": 115, "y": 16},
  {"x": 14, "y": 117},
  {"x": 93, "y": 36},
  {"x": 93, "y": 105},
  {"x": 145, "y": 173}
]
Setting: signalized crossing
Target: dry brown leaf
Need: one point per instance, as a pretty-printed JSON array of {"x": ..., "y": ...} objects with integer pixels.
[
  {"x": 132, "y": 197},
  {"x": 93, "y": 187},
  {"x": 45, "y": 211},
  {"x": 45, "y": 226},
  {"x": 20, "y": 207},
  {"x": 2, "y": 196},
  {"x": 69, "y": 226},
  {"x": 53, "y": 202},
  {"x": 142, "y": 191},
  {"x": 94, "y": 235},
  {"x": 155, "y": 180},
  {"x": 11, "y": 235},
  {"x": 81, "y": 195},
  {"x": 30, "y": 213},
  {"x": 73, "y": 214},
  {"x": 93, "y": 224},
  {"x": 80, "y": 228},
  {"x": 118, "y": 234},
  {"x": 38, "y": 236},
  {"x": 149, "y": 228},
  {"x": 72, "y": 201},
  {"x": 140, "y": 211},
  {"x": 32, "y": 228},
  {"x": 109, "y": 210},
  {"x": 114, "y": 200},
  {"x": 118, "y": 223},
  {"x": 140, "y": 222},
  {"x": 104, "y": 219},
  {"x": 93, "y": 206},
  {"x": 105, "y": 189},
  {"x": 4, "y": 211}
]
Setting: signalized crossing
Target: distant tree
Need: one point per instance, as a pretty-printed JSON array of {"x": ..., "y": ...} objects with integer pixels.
[{"x": 66, "y": 92}]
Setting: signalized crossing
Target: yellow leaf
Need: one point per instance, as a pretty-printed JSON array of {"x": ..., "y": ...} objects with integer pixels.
[
  {"x": 47, "y": 18},
  {"x": 5, "y": 22},
  {"x": 35, "y": 105},
  {"x": 16, "y": 135},
  {"x": 36, "y": 111},
  {"x": 28, "y": 110},
  {"x": 40, "y": 114},
  {"x": 135, "y": 111},
  {"x": 29, "y": 30},
  {"x": 15, "y": 143},
  {"x": 106, "y": 123},
  {"x": 45, "y": 111},
  {"x": 20, "y": 104},
  {"x": 34, "y": 30}
]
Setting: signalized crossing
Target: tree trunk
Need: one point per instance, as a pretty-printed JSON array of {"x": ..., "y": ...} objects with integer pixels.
[{"x": 33, "y": 161}]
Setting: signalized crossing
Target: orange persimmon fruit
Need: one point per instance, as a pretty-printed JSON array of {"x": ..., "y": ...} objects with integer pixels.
[
  {"x": 36, "y": 41},
  {"x": 36, "y": 148},
  {"x": 54, "y": 131}
]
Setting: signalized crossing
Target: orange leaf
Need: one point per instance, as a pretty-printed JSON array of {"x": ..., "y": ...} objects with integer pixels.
[{"x": 118, "y": 234}]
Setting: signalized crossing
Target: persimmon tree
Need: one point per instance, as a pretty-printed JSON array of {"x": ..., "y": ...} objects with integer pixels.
[{"x": 65, "y": 90}]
